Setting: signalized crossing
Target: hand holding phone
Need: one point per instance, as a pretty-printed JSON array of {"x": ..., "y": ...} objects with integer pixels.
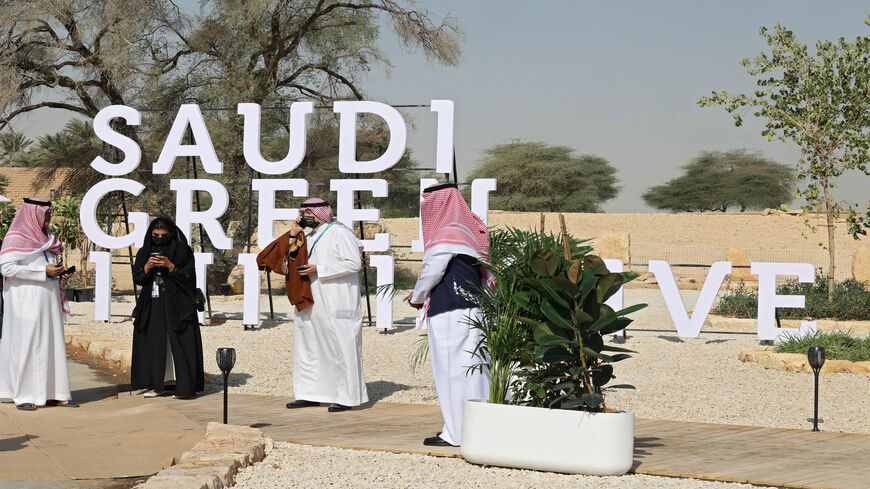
[
  {"x": 303, "y": 267},
  {"x": 68, "y": 271}
]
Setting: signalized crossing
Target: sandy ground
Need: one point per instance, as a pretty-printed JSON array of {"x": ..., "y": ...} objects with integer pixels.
[
  {"x": 676, "y": 379},
  {"x": 778, "y": 231}
]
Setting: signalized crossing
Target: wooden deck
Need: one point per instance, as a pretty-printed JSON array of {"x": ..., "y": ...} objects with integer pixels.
[{"x": 778, "y": 457}]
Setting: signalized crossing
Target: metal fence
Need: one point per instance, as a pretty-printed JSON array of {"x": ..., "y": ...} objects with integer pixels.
[{"x": 694, "y": 261}]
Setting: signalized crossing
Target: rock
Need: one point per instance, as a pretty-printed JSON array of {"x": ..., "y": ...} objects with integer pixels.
[
  {"x": 739, "y": 265},
  {"x": 861, "y": 264},
  {"x": 613, "y": 245},
  {"x": 213, "y": 462},
  {"x": 798, "y": 363},
  {"x": 97, "y": 348},
  {"x": 237, "y": 279},
  {"x": 82, "y": 341},
  {"x": 178, "y": 477}
]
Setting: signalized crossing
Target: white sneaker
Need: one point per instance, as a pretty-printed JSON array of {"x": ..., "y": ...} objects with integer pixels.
[{"x": 152, "y": 394}]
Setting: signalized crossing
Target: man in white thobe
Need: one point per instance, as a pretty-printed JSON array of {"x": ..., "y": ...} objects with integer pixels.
[
  {"x": 33, "y": 369},
  {"x": 455, "y": 241},
  {"x": 327, "y": 337}
]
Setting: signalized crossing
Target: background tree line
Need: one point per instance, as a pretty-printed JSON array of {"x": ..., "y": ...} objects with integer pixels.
[{"x": 83, "y": 55}]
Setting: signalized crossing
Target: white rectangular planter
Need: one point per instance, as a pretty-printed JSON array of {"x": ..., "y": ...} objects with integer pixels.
[{"x": 557, "y": 440}]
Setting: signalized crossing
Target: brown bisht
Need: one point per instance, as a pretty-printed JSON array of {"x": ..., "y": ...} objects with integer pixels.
[{"x": 279, "y": 258}]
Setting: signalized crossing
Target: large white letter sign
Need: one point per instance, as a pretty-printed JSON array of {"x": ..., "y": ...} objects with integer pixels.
[
  {"x": 480, "y": 189},
  {"x": 267, "y": 214},
  {"x": 251, "y": 297},
  {"x": 251, "y": 141},
  {"x": 88, "y": 215},
  {"x": 188, "y": 115},
  {"x": 768, "y": 300},
  {"x": 132, "y": 151},
  {"x": 345, "y": 212},
  {"x": 689, "y": 327},
  {"x": 617, "y": 300},
  {"x": 384, "y": 266},
  {"x": 347, "y": 161},
  {"x": 200, "y": 262},
  {"x": 444, "y": 138},
  {"x": 102, "y": 261},
  {"x": 417, "y": 244},
  {"x": 185, "y": 217}
]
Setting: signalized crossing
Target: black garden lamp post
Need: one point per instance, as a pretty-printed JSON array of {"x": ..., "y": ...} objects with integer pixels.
[
  {"x": 226, "y": 359},
  {"x": 816, "y": 356}
]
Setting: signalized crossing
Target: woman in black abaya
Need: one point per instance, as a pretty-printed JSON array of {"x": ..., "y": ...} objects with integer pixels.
[{"x": 166, "y": 338}]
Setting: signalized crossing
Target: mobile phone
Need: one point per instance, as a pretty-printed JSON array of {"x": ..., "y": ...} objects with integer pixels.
[
  {"x": 303, "y": 267},
  {"x": 68, "y": 271},
  {"x": 155, "y": 254}
]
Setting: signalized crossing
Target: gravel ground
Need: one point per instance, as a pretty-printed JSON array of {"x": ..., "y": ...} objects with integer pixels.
[
  {"x": 676, "y": 379},
  {"x": 289, "y": 465}
]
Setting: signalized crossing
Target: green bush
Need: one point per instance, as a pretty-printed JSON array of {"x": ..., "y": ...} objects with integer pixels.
[
  {"x": 740, "y": 302},
  {"x": 839, "y": 345},
  {"x": 851, "y": 300}
]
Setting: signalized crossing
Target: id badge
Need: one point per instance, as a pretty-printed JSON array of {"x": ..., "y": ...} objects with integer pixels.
[{"x": 155, "y": 291}]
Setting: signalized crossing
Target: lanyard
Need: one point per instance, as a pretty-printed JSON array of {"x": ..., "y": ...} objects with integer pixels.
[{"x": 311, "y": 250}]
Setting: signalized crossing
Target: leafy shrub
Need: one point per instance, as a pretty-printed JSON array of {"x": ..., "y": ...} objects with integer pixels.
[
  {"x": 546, "y": 320},
  {"x": 839, "y": 345},
  {"x": 740, "y": 302},
  {"x": 851, "y": 300}
]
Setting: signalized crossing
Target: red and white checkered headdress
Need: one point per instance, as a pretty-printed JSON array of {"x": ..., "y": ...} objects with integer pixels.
[
  {"x": 321, "y": 210},
  {"x": 27, "y": 236},
  {"x": 449, "y": 224}
]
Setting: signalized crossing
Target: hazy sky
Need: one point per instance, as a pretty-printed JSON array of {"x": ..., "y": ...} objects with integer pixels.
[{"x": 616, "y": 79}]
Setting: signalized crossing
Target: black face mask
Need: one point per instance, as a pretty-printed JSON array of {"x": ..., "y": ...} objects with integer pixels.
[
  {"x": 308, "y": 222},
  {"x": 160, "y": 241}
]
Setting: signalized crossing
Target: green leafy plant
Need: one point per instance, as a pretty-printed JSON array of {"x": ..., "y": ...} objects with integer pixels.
[
  {"x": 556, "y": 290},
  {"x": 7, "y": 213},
  {"x": 67, "y": 227},
  {"x": 839, "y": 345},
  {"x": 504, "y": 335},
  {"x": 569, "y": 340},
  {"x": 849, "y": 300}
]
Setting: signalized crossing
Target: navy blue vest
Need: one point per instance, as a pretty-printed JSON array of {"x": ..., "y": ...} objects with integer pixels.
[{"x": 463, "y": 272}]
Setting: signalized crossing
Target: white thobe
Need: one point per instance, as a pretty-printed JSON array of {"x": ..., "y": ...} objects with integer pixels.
[
  {"x": 451, "y": 341},
  {"x": 32, "y": 349},
  {"x": 327, "y": 337}
]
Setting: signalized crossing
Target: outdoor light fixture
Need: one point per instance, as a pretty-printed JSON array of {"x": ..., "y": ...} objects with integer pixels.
[
  {"x": 226, "y": 359},
  {"x": 816, "y": 356}
]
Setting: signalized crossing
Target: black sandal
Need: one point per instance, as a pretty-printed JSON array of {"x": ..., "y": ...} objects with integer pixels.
[
  {"x": 26, "y": 406},
  {"x": 54, "y": 402}
]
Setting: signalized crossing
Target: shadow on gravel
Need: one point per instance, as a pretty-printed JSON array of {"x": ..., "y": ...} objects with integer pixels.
[
  {"x": 215, "y": 382},
  {"x": 672, "y": 339},
  {"x": 272, "y": 323},
  {"x": 397, "y": 328},
  {"x": 380, "y": 389},
  {"x": 722, "y": 340},
  {"x": 15, "y": 443}
]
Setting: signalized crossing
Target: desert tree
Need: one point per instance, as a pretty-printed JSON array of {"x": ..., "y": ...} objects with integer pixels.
[
  {"x": 817, "y": 101},
  {"x": 535, "y": 176},
  {"x": 718, "y": 181}
]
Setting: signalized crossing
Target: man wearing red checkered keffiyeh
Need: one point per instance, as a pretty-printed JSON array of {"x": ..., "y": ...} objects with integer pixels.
[
  {"x": 327, "y": 336},
  {"x": 455, "y": 242},
  {"x": 33, "y": 368}
]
